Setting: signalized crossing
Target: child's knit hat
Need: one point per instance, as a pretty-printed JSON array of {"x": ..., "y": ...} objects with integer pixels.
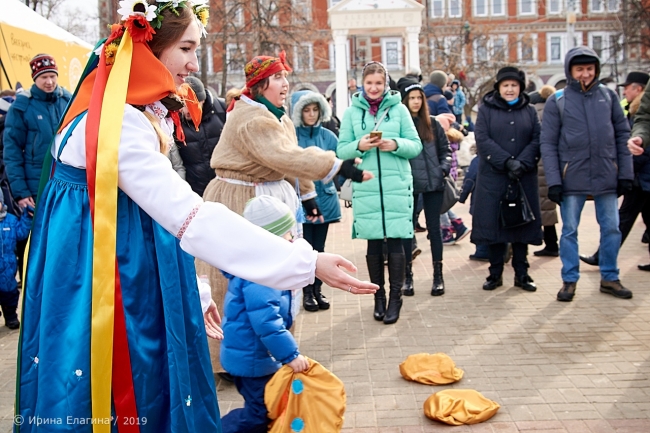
[{"x": 270, "y": 213}]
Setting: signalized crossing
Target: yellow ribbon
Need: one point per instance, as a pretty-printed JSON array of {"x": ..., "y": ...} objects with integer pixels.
[{"x": 104, "y": 241}]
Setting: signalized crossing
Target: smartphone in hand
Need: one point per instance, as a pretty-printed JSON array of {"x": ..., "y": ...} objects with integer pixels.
[{"x": 375, "y": 134}]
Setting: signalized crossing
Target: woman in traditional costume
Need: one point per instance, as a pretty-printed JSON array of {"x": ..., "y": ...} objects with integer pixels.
[
  {"x": 112, "y": 336},
  {"x": 258, "y": 154}
]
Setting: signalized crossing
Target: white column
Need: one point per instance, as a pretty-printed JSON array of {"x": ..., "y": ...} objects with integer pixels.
[
  {"x": 412, "y": 48},
  {"x": 340, "y": 41}
]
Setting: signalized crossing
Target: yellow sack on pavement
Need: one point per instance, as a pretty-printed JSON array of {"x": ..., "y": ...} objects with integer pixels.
[
  {"x": 460, "y": 406},
  {"x": 437, "y": 369},
  {"x": 309, "y": 402}
]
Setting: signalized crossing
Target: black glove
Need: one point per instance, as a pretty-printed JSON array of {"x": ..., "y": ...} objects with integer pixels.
[
  {"x": 624, "y": 186},
  {"x": 311, "y": 208},
  {"x": 349, "y": 171},
  {"x": 555, "y": 194},
  {"x": 515, "y": 169}
]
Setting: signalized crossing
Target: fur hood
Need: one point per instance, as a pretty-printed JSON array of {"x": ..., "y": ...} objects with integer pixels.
[{"x": 301, "y": 99}]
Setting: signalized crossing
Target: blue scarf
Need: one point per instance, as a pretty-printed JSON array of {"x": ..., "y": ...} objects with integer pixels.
[{"x": 513, "y": 102}]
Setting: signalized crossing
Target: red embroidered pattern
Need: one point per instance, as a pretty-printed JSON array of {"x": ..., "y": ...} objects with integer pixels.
[{"x": 188, "y": 220}]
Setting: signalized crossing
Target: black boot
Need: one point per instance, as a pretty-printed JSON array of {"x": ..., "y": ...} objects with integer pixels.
[
  {"x": 408, "y": 290},
  {"x": 438, "y": 288},
  {"x": 308, "y": 300},
  {"x": 321, "y": 300},
  {"x": 396, "y": 267},
  {"x": 376, "y": 272}
]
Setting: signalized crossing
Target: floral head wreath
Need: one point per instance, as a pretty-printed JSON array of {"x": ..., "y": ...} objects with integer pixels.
[{"x": 147, "y": 17}]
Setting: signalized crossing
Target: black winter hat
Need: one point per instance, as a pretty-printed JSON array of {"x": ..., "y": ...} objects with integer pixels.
[
  {"x": 584, "y": 59},
  {"x": 636, "y": 77},
  {"x": 406, "y": 85},
  {"x": 511, "y": 73}
]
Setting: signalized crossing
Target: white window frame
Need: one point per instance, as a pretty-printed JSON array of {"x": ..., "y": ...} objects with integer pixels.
[
  {"x": 242, "y": 49},
  {"x": 432, "y": 9},
  {"x": 460, "y": 9},
  {"x": 533, "y": 8},
  {"x": 487, "y": 8},
  {"x": 332, "y": 55},
  {"x": 601, "y": 4},
  {"x": 492, "y": 54},
  {"x": 475, "y": 46},
  {"x": 520, "y": 48},
  {"x": 504, "y": 5},
  {"x": 296, "y": 59},
  {"x": 400, "y": 54},
  {"x": 238, "y": 17},
  {"x": 607, "y": 46},
  {"x": 264, "y": 4},
  {"x": 560, "y": 5},
  {"x": 563, "y": 45},
  {"x": 618, "y": 6},
  {"x": 307, "y": 9},
  {"x": 447, "y": 47}
]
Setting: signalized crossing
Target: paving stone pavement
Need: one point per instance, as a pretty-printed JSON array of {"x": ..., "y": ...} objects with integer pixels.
[{"x": 553, "y": 367}]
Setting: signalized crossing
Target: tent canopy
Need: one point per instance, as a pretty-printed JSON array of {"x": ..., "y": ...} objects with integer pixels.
[{"x": 24, "y": 33}]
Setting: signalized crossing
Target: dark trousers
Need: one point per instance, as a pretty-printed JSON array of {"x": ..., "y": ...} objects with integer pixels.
[
  {"x": 9, "y": 303},
  {"x": 393, "y": 246},
  {"x": 252, "y": 418},
  {"x": 431, "y": 204},
  {"x": 634, "y": 202},
  {"x": 519, "y": 261},
  {"x": 550, "y": 238},
  {"x": 316, "y": 235}
]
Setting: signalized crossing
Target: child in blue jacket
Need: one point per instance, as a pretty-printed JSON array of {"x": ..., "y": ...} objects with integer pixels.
[
  {"x": 257, "y": 341},
  {"x": 12, "y": 230}
]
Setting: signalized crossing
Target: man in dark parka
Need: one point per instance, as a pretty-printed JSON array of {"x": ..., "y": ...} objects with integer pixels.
[{"x": 584, "y": 148}]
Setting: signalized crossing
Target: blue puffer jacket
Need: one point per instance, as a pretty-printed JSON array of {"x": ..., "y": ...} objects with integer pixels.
[
  {"x": 327, "y": 199},
  {"x": 30, "y": 126},
  {"x": 256, "y": 326},
  {"x": 435, "y": 100},
  {"x": 585, "y": 149},
  {"x": 12, "y": 230}
]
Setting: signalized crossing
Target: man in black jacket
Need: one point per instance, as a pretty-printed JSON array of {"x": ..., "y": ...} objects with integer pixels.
[{"x": 197, "y": 149}]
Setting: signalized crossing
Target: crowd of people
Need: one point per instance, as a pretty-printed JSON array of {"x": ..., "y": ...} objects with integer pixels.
[{"x": 206, "y": 205}]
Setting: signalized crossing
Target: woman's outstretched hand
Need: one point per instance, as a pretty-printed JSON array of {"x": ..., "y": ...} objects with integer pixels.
[{"x": 330, "y": 269}]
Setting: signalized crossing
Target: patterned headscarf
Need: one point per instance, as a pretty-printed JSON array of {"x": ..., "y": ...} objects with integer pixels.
[
  {"x": 264, "y": 66},
  {"x": 260, "y": 68}
]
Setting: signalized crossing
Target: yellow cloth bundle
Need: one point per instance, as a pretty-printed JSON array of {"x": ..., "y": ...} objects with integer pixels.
[
  {"x": 309, "y": 402},
  {"x": 460, "y": 406},
  {"x": 436, "y": 369}
]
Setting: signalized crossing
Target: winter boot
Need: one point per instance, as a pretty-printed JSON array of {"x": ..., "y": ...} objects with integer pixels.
[
  {"x": 11, "y": 316},
  {"x": 408, "y": 290},
  {"x": 438, "y": 288},
  {"x": 447, "y": 236},
  {"x": 308, "y": 300},
  {"x": 461, "y": 229},
  {"x": 376, "y": 271},
  {"x": 396, "y": 267},
  {"x": 321, "y": 300}
]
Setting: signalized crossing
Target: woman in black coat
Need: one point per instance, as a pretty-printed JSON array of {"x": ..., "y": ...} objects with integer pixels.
[
  {"x": 507, "y": 141},
  {"x": 429, "y": 169}
]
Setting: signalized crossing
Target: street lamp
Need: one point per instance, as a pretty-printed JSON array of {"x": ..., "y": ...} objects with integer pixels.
[{"x": 466, "y": 30}]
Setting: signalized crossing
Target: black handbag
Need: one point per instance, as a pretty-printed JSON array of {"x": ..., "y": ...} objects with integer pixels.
[
  {"x": 514, "y": 208},
  {"x": 450, "y": 195}
]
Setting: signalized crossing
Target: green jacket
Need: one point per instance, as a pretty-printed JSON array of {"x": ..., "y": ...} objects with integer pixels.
[
  {"x": 383, "y": 206},
  {"x": 641, "y": 126}
]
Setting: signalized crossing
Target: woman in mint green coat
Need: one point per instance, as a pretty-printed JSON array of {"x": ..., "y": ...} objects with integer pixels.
[{"x": 382, "y": 206}]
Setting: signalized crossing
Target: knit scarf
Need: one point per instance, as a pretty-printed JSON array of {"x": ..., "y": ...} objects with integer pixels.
[
  {"x": 277, "y": 111},
  {"x": 374, "y": 103}
]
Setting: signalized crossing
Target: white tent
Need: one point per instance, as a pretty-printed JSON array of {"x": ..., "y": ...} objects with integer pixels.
[{"x": 24, "y": 33}]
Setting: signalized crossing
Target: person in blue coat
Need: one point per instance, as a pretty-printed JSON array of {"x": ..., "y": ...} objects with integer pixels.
[
  {"x": 12, "y": 230},
  {"x": 30, "y": 127},
  {"x": 309, "y": 111},
  {"x": 433, "y": 91},
  {"x": 257, "y": 341}
]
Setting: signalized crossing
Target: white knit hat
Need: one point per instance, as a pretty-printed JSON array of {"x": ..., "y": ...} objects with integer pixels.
[{"x": 270, "y": 213}]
